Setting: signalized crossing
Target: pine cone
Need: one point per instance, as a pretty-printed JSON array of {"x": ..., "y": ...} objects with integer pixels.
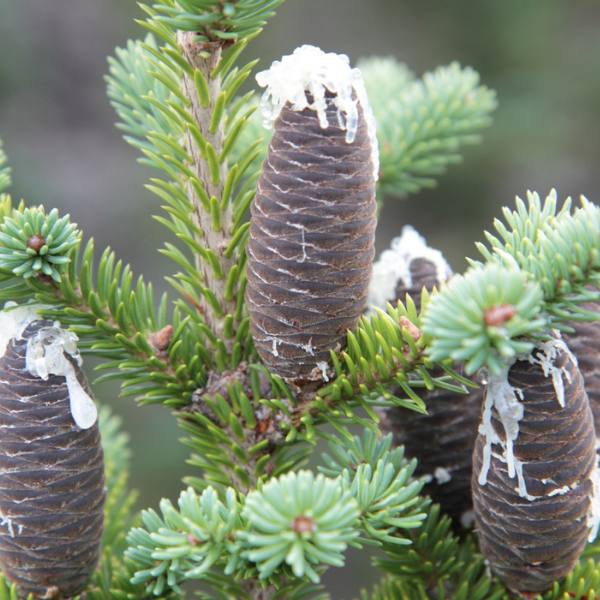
[
  {"x": 584, "y": 343},
  {"x": 533, "y": 525},
  {"x": 443, "y": 440},
  {"x": 51, "y": 477},
  {"x": 311, "y": 243},
  {"x": 408, "y": 266}
]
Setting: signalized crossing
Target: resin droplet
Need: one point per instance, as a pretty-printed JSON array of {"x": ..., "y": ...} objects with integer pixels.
[
  {"x": 394, "y": 269},
  {"x": 46, "y": 356},
  {"x": 311, "y": 70},
  {"x": 13, "y": 321},
  {"x": 483, "y": 376}
]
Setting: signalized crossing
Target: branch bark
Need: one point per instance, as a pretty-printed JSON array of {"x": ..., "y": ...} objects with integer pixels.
[{"x": 205, "y": 57}]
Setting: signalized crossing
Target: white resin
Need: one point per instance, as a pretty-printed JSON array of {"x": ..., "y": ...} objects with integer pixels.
[
  {"x": 394, "y": 264},
  {"x": 14, "y": 322},
  {"x": 467, "y": 519},
  {"x": 548, "y": 352},
  {"x": 500, "y": 393},
  {"x": 563, "y": 490},
  {"x": 46, "y": 356},
  {"x": 309, "y": 69},
  {"x": 9, "y": 525},
  {"x": 593, "y": 516},
  {"x": 442, "y": 475},
  {"x": 505, "y": 398},
  {"x": 521, "y": 488},
  {"x": 323, "y": 366}
]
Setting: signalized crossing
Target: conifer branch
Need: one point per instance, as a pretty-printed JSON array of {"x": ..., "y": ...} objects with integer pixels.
[
  {"x": 214, "y": 222},
  {"x": 560, "y": 250},
  {"x": 213, "y": 20},
  {"x": 116, "y": 321},
  {"x": 190, "y": 136},
  {"x": 387, "y": 349},
  {"x": 437, "y": 564},
  {"x": 286, "y": 529},
  {"x": 254, "y": 526},
  {"x": 422, "y": 127},
  {"x": 5, "y": 180},
  {"x": 533, "y": 281}
]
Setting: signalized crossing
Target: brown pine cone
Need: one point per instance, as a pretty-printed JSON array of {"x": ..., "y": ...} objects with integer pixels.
[
  {"x": 408, "y": 266},
  {"x": 532, "y": 511},
  {"x": 442, "y": 441},
  {"x": 311, "y": 245},
  {"x": 584, "y": 343},
  {"x": 51, "y": 471}
]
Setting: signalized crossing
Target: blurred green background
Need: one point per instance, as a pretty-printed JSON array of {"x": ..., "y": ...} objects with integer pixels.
[{"x": 542, "y": 57}]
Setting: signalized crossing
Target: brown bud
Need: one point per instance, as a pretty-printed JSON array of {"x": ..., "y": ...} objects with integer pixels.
[
  {"x": 36, "y": 242},
  {"x": 303, "y": 525},
  {"x": 160, "y": 340},
  {"x": 413, "y": 330},
  {"x": 496, "y": 316}
]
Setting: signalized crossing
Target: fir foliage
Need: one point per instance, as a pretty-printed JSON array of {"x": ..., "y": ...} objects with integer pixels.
[
  {"x": 437, "y": 565},
  {"x": 557, "y": 249},
  {"x": 116, "y": 320},
  {"x": 144, "y": 85},
  {"x": 422, "y": 124},
  {"x": 539, "y": 268},
  {"x": 290, "y": 526},
  {"x": 380, "y": 479},
  {"x": 143, "y": 101},
  {"x": 215, "y": 20},
  {"x": 300, "y": 520},
  {"x": 9, "y": 592},
  {"x": 296, "y": 521},
  {"x": 387, "y": 348},
  {"x": 184, "y": 544},
  {"x": 478, "y": 343},
  {"x": 5, "y": 180},
  {"x": 33, "y": 243}
]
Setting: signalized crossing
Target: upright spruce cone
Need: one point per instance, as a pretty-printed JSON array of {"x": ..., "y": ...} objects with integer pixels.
[
  {"x": 51, "y": 471},
  {"x": 311, "y": 243},
  {"x": 533, "y": 522},
  {"x": 584, "y": 343},
  {"x": 443, "y": 440}
]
